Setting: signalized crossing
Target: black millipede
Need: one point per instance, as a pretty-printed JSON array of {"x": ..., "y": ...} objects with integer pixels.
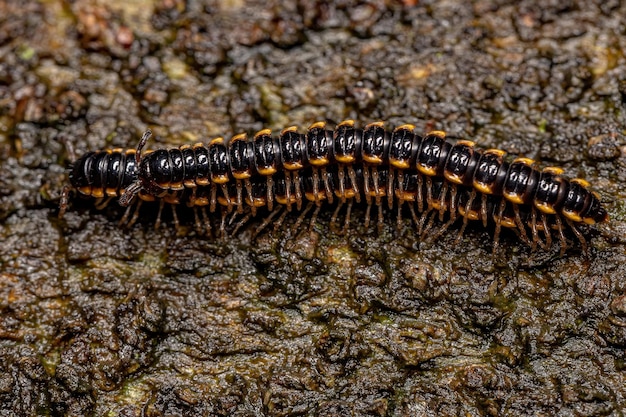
[
  {"x": 104, "y": 175},
  {"x": 486, "y": 176}
]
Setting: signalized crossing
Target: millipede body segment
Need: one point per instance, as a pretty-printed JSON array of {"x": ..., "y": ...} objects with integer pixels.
[{"x": 429, "y": 173}]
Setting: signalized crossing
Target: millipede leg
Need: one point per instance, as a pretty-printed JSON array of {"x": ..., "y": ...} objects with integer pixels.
[
  {"x": 267, "y": 220},
  {"x": 546, "y": 231},
  {"x": 206, "y": 220},
  {"x": 223, "y": 223},
  {"x": 213, "y": 202},
  {"x": 483, "y": 209},
  {"x": 241, "y": 223},
  {"x": 270, "y": 192},
  {"x": 280, "y": 220},
  {"x": 380, "y": 223},
  {"x": 533, "y": 229},
  {"x": 429, "y": 193},
  {"x": 227, "y": 198},
  {"x": 342, "y": 183},
  {"x": 65, "y": 195},
  {"x": 420, "y": 194},
  {"x": 520, "y": 225},
  {"x": 135, "y": 217},
  {"x": 196, "y": 221},
  {"x": 545, "y": 245},
  {"x": 442, "y": 200},
  {"x": 316, "y": 186},
  {"x": 288, "y": 189},
  {"x": 124, "y": 218},
  {"x": 297, "y": 182},
  {"x": 239, "y": 187},
  {"x": 314, "y": 217},
  {"x": 390, "y": 191},
  {"x": 399, "y": 215},
  {"x": 366, "y": 185},
  {"x": 355, "y": 184},
  {"x": 579, "y": 235},
  {"x": 101, "y": 203},
  {"x": 300, "y": 218},
  {"x": 333, "y": 219},
  {"x": 250, "y": 196},
  {"x": 175, "y": 218},
  {"x": 562, "y": 239},
  {"x": 346, "y": 223},
  {"x": 376, "y": 182},
  {"x": 430, "y": 215},
  {"x": 498, "y": 220},
  {"x": 134, "y": 209},
  {"x": 414, "y": 214},
  {"x": 329, "y": 191},
  {"x": 157, "y": 224},
  {"x": 468, "y": 207}
]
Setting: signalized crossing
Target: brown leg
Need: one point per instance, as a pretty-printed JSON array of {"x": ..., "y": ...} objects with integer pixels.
[
  {"x": 239, "y": 187},
  {"x": 442, "y": 201},
  {"x": 498, "y": 220},
  {"x": 390, "y": 194},
  {"x": 157, "y": 224},
  {"x": 483, "y": 209},
  {"x": 298, "y": 188},
  {"x": 63, "y": 204},
  {"x": 267, "y": 220},
  {"x": 579, "y": 235},
  {"x": 355, "y": 184},
  {"x": 329, "y": 192},
  {"x": 300, "y": 218},
  {"x": 333, "y": 219},
  {"x": 270, "y": 192},
  {"x": 562, "y": 239},
  {"x": 520, "y": 225}
]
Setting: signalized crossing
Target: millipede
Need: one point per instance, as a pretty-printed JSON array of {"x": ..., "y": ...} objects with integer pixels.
[{"x": 430, "y": 175}]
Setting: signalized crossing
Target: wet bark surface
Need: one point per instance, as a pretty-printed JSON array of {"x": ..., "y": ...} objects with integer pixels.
[{"x": 98, "y": 319}]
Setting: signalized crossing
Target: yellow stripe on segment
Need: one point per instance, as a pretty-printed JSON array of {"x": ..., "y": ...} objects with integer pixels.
[
  {"x": 545, "y": 207},
  {"x": 263, "y": 132},
  {"x": 581, "y": 182},
  {"x": 318, "y": 125},
  {"x": 483, "y": 188},
  {"x": 431, "y": 172},
  {"x": 289, "y": 129},
  {"x": 374, "y": 160},
  {"x": 396, "y": 163},
  {"x": 452, "y": 177},
  {"x": 572, "y": 215},
  {"x": 267, "y": 171},
  {"x": 239, "y": 136},
  {"x": 318, "y": 162},
  {"x": 375, "y": 124},
  {"x": 497, "y": 152},
  {"x": 439, "y": 133},
  {"x": 524, "y": 160},
  {"x": 405, "y": 127},
  {"x": 466, "y": 143},
  {"x": 514, "y": 198},
  {"x": 345, "y": 159},
  {"x": 553, "y": 170}
]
